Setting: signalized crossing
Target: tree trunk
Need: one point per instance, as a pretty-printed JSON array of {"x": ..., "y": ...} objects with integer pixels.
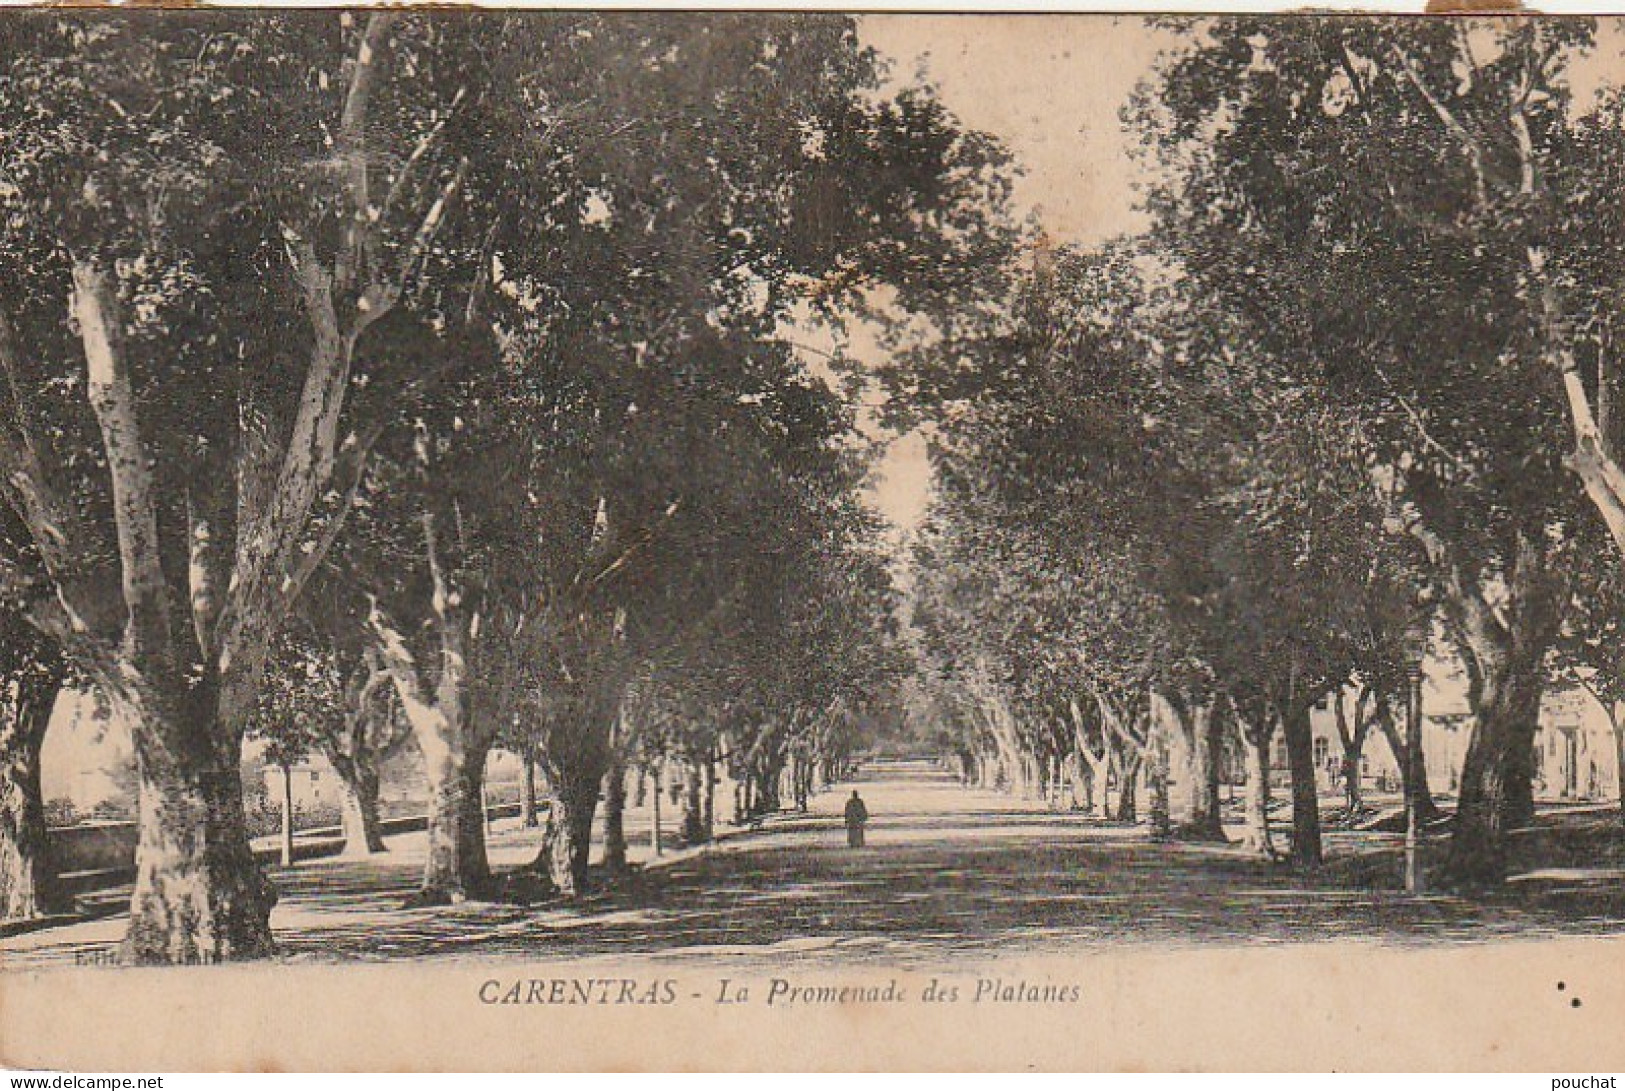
[
  {"x": 527, "y": 795},
  {"x": 1201, "y": 742},
  {"x": 476, "y": 816},
  {"x": 1497, "y": 792},
  {"x": 286, "y": 840},
  {"x": 1619, "y": 769},
  {"x": 28, "y": 883},
  {"x": 710, "y": 812},
  {"x": 1416, "y": 786},
  {"x": 654, "y": 820},
  {"x": 693, "y": 806},
  {"x": 1127, "y": 789},
  {"x": 363, "y": 833},
  {"x": 1099, "y": 771},
  {"x": 437, "y": 709},
  {"x": 455, "y": 824},
  {"x": 615, "y": 816},
  {"x": 1503, "y": 644},
  {"x": 801, "y": 774},
  {"x": 1157, "y": 762},
  {"x": 369, "y": 732},
  {"x": 1257, "y": 839},
  {"x": 199, "y": 893},
  {"x": 1032, "y": 780},
  {"x": 568, "y": 841},
  {"x": 767, "y": 790},
  {"x": 356, "y": 766},
  {"x": 1300, "y": 752},
  {"x": 1082, "y": 784},
  {"x": 1353, "y": 799},
  {"x": 1413, "y": 773}
]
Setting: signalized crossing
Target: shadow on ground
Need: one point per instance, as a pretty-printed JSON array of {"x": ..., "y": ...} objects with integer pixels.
[{"x": 950, "y": 872}]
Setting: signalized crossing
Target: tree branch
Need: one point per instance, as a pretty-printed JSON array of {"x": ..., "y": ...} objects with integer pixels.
[
  {"x": 1340, "y": 716},
  {"x": 1474, "y": 150},
  {"x": 1528, "y": 180},
  {"x": 128, "y": 464},
  {"x": 1421, "y": 426},
  {"x": 350, "y": 471},
  {"x": 41, "y": 511},
  {"x": 381, "y": 295},
  {"x": 267, "y": 539},
  {"x": 352, "y": 145},
  {"x": 1592, "y": 459},
  {"x": 397, "y": 659},
  {"x": 419, "y": 151},
  {"x": 204, "y": 567},
  {"x": 1476, "y": 621}
]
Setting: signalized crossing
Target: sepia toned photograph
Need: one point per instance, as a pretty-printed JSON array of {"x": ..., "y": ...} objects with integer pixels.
[{"x": 756, "y": 540}]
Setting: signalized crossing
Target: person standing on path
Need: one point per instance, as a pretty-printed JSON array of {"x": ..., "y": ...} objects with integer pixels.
[{"x": 856, "y": 815}]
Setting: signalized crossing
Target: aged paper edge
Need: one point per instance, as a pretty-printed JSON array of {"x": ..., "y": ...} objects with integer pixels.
[
  {"x": 1319, "y": 1007},
  {"x": 1266, "y": 1007}
]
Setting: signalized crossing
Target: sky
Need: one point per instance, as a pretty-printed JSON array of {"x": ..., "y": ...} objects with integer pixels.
[{"x": 1051, "y": 87}]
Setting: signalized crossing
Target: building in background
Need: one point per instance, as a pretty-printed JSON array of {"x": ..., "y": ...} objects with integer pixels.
[{"x": 1574, "y": 752}]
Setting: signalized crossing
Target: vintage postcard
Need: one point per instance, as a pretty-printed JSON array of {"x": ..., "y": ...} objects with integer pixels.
[{"x": 609, "y": 540}]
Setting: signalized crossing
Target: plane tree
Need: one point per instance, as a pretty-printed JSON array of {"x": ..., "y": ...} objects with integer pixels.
[
  {"x": 228, "y": 204},
  {"x": 32, "y": 674},
  {"x": 326, "y": 690},
  {"x": 280, "y": 233},
  {"x": 1171, "y": 476},
  {"x": 1448, "y": 180}
]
